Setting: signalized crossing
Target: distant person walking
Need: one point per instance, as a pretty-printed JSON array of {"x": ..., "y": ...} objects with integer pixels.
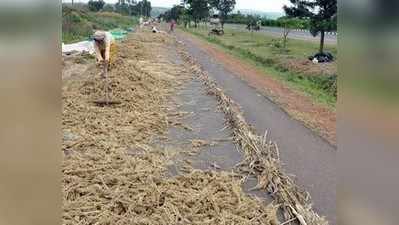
[
  {"x": 172, "y": 25},
  {"x": 259, "y": 23},
  {"x": 141, "y": 22}
]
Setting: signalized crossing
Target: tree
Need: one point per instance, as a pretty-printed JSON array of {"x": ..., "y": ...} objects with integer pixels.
[
  {"x": 122, "y": 7},
  {"x": 147, "y": 8},
  {"x": 178, "y": 13},
  {"x": 96, "y": 5},
  {"x": 198, "y": 10},
  {"x": 224, "y": 7},
  {"x": 288, "y": 24},
  {"x": 175, "y": 13},
  {"x": 126, "y": 7},
  {"x": 322, "y": 15},
  {"x": 142, "y": 8},
  {"x": 108, "y": 8}
]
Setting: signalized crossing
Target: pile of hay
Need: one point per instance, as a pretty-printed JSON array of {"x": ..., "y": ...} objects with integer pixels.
[
  {"x": 111, "y": 174},
  {"x": 261, "y": 158},
  {"x": 115, "y": 188}
]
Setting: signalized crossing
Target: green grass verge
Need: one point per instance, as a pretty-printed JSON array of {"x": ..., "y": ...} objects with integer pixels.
[
  {"x": 322, "y": 89},
  {"x": 78, "y": 25},
  {"x": 257, "y": 42}
]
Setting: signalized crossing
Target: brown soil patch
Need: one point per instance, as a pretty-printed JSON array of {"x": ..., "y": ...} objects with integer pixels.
[
  {"x": 305, "y": 66},
  {"x": 74, "y": 65},
  {"x": 315, "y": 116}
]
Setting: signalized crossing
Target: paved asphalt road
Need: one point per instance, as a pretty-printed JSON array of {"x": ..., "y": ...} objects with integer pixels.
[
  {"x": 309, "y": 157},
  {"x": 300, "y": 35}
]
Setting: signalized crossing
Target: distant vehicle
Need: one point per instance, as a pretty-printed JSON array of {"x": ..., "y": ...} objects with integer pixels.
[
  {"x": 254, "y": 26},
  {"x": 216, "y": 26}
]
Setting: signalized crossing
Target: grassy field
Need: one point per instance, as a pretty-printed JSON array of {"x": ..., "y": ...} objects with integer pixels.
[
  {"x": 79, "y": 24},
  {"x": 290, "y": 66}
]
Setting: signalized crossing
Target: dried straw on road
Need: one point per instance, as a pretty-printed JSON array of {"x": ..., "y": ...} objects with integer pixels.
[
  {"x": 111, "y": 174},
  {"x": 262, "y": 158}
]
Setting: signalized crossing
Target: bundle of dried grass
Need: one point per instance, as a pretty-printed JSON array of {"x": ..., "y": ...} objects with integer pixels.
[{"x": 262, "y": 158}]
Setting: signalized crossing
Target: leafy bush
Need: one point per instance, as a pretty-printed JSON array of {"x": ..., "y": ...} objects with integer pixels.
[
  {"x": 74, "y": 24},
  {"x": 276, "y": 43},
  {"x": 79, "y": 24},
  {"x": 111, "y": 20},
  {"x": 327, "y": 83},
  {"x": 96, "y": 5}
]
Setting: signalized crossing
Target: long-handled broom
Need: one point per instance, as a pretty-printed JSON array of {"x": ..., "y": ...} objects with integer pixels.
[{"x": 106, "y": 101}]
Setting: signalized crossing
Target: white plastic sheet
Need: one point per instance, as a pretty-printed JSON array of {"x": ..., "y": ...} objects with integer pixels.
[{"x": 84, "y": 46}]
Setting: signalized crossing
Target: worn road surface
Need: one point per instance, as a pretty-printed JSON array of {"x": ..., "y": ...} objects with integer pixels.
[
  {"x": 208, "y": 124},
  {"x": 306, "y": 155},
  {"x": 294, "y": 34}
]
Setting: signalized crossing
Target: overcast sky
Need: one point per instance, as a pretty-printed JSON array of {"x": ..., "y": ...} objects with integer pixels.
[{"x": 263, "y": 5}]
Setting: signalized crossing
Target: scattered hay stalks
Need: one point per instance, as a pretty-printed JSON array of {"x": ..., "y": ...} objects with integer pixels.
[
  {"x": 111, "y": 176},
  {"x": 123, "y": 190},
  {"x": 261, "y": 158},
  {"x": 198, "y": 143}
]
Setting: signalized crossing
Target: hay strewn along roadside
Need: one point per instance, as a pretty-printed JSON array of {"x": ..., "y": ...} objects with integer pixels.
[
  {"x": 262, "y": 158},
  {"x": 111, "y": 173}
]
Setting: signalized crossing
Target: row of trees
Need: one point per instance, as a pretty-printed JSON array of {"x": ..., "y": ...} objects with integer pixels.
[
  {"x": 318, "y": 16},
  {"x": 238, "y": 18},
  {"x": 96, "y": 6},
  {"x": 322, "y": 15},
  {"x": 124, "y": 7},
  {"x": 199, "y": 10}
]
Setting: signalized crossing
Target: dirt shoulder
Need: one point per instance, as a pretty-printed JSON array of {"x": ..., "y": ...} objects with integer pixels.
[{"x": 317, "y": 117}]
